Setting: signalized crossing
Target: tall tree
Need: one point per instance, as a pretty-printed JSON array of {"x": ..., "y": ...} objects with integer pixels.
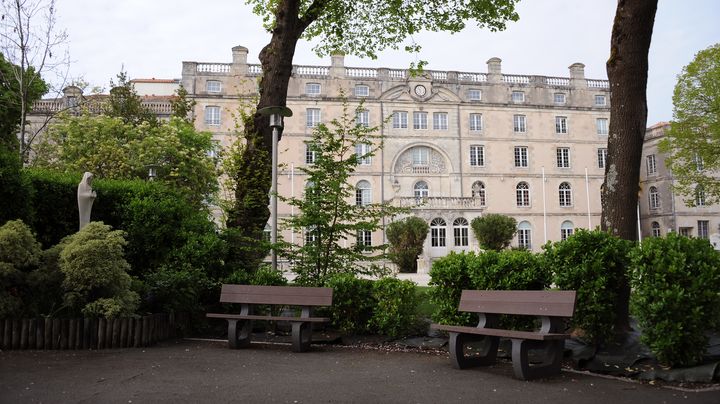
[
  {"x": 356, "y": 27},
  {"x": 693, "y": 142},
  {"x": 627, "y": 70}
]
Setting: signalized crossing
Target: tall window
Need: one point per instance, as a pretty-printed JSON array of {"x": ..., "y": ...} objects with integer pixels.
[
  {"x": 651, "y": 164},
  {"x": 524, "y": 234},
  {"x": 420, "y": 120},
  {"x": 600, "y": 101},
  {"x": 400, "y": 119},
  {"x": 559, "y": 98},
  {"x": 517, "y": 96},
  {"x": 362, "y": 151},
  {"x": 313, "y": 117},
  {"x": 478, "y": 191},
  {"x": 310, "y": 153},
  {"x": 475, "y": 122},
  {"x": 362, "y": 90},
  {"x": 437, "y": 232},
  {"x": 522, "y": 194},
  {"x": 602, "y": 126},
  {"x": 363, "y": 193},
  {"x": 364, "y": 238},
  {"x": 655, "y": 229},
  {"x": 699, "y": 196},
  {"x": 703, "y": 226},
  {"x": 440, "y": 120},
  {"x": 519, "y": 124},
  {"x": 566, "y": 230},
  {"x": 565, "y": 194},
  {"x": 563, "y": 157},
  {"x": 460, "y": 232},
  {"x": 699, "y": 164},
  {"x": 474, "y": 94},
  {"x": 477, "y": 156},
  {"x": 421, "y": 156},
  {"x": 363, "y": 118},
  {"x": 421, "y": 190},
  {"x": 311, "y": 235},
  {"x": 521, "y": 156},
  {"x": 212, "y": 115},
  {"x": 602, "y": 157},
  {"x": 213, "y": 86},
  {"x": 561, "y": 124},
  {"x": 654, "y": 198},
  {"x": 312, "y": 89}
]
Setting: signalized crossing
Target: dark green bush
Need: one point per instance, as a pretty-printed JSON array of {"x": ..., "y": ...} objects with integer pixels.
[
  {"x": 595, "y": 264},
  {"x": 508, "y": 270},
  {"x": 406, "y": 239},
  {"x": 54, "y": 205},
  {"x": 450, "y": 276},
  {"x": 14, "y": 188},
  {"x": 177, "y": 289},
  {"x": 675, "y": 296},
  {"x": 266, "y": 276},
  {"x": 19, "y": 255},
  {"x": 353, "y": 303},
  {"x": 494, "y": 231},
  {"x": 395, "y": 308}
]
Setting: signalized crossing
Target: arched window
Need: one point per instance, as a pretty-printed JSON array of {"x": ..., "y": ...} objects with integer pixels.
[
  {"x": 699, "y": 196},
  {"x": 522, "y": 194},
  {"x": 460, "y": 232},
  {"x": 437, "y": 232},
  {"x": 654, "y": 198},
  {"x": 363, "y": 193},
  {"x": 524, "y": 235},
  {"x": 566, "y": 230},
  {"x": 421, "y": 190},
  {"x": 655, "y": 229},
  {"x": 478, "y": 191},
  {"x": 565, "y": 194}
]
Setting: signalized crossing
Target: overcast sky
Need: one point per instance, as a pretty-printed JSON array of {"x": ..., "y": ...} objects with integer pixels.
[{"x": 152, "y": 38}]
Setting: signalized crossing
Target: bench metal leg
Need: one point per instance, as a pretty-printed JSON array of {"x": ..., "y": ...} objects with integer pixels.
[
  {"x": 301, "y": 336},
  {"x": 550, "y": 365},
  {"x": 239, "y": 333},
  {"x": 486, "y": 356}
]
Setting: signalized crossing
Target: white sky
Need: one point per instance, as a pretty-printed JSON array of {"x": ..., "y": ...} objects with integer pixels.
[{"x": 151, "y": 38}]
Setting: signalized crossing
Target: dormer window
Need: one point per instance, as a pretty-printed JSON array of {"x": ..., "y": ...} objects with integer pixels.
[
  {"x": 474, "y": 95},
  {"x": 312, "y": 89},
  {"x": 362, "y": 90},
  {"x": 518, "y": 97},
  {"x": 71, "y": 101},
  {"x": 213, "y": 86}
]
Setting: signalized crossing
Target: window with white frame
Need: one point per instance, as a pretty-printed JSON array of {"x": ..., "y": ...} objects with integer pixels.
[
  {"x": 363, "y": 151},
  {"x": 362, "y": 90},
  {"x": 519, "y": 124},
  {"x": 524, "y": 234},
  {"x": 421, "y": 156},
  {"x": 363, "y": 193},
  {"x": 522, "y": 194},
  {"x": 565, "y": 195},
  {"x": 460, "y": 232},
  {"x": 212, "y": 115},
  {"x": 655, "y": 227},
  {"x": 213, "y": 86},
  {"x": 437, "y": 232},
  {"x": 654, "y": 198},
  {"x": 312, "y": 89},
  {"x": 476, "y": 122},
  {"x": 559, "y": 98},
  {"x": 477, "y": 156},
  {"x": 400, "y": 120},
  {"x": 563, "y": 157},
  {"x": 421, "y": 190},
  {"x": 561, "y": 126},
  {"x": 420, "y": 120},
  {"x": 517, "y": 96},
  {"x": 703, "y": 227},
  {"x": 311, "y": 235},
  {"x": 312, "y": 117},
  {"x": 699, "y": 196},
  {"x": 566, "y": 230},
  {"x": 310, "y": 153},
  {"x": 363, "y": 118},
  {"x": 600, "y": 101},
  {"x": 651, "y": 164},
  {"x": 521, "y": 156},
  {"x": 364, "y": 238},
  {"x": 440, "y": 120},
  {"x": 478, "y": 191},
  {"x": 602, "y": 157},
  {"x": 474, "y": 94},
  {"x": 601, "y": 125}
]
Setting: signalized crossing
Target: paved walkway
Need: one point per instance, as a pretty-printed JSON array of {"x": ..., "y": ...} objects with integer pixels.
[{"x": 208, "y": 372}]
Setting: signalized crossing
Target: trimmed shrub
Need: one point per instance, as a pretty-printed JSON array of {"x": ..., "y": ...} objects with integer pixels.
[
  {"x": 395, "y": 306},
  {"x": 593, "y": 263},
  {"x": 406, "y": 239},
  {"x": 177, "y": 289},
  {"x": 675, "y": 296},
  {"x": 14, "y": 188},
  {"x": 54, "y": 204},
  {"x": 450, "y": 276},
  {"x": 494, "y": 231},
  {"x": 353, "y": 303},
  {"x": 508, "y": 270},
  {"x": 19, "y": 254}
]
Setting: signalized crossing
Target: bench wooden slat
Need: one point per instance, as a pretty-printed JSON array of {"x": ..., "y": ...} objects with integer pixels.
[
  {"x": 523, "y": 302},
  {"x": 495, "y": 332},
  {"x": 293, "y": 296},
  {"x": 268, "y": 318}
]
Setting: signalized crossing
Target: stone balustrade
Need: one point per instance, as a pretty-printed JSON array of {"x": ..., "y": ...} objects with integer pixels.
[{"x": 438, "y": 203}]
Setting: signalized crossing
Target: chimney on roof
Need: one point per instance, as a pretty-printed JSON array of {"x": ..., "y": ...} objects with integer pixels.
[
  {"x": 494, "y": 70},
  {"x": 337, "y": 65},
  {"x": 577, "y": 75},
  {"x": 239, "y": 63}
]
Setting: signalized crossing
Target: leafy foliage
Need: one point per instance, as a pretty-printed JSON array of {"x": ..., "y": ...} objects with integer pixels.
[
  {"x": 450, "y": 275},
  {"x": 181, "y": 105},
  {"x": 494, "y": 231},
  {"x": 593, "y": 263},
  {"x": 676, "y": 281},
  {"x": 125, "y": 104},
  {"x": 11, "y": 101},
  {"x": 19, "y": 254},
  {"x": 395, "y": 306},
  {"x": 14, "y": 187},
  {"x": 352, "y": 306},
  {"x": 406, "y": 242},
  {"x": 693, "y": 142}
]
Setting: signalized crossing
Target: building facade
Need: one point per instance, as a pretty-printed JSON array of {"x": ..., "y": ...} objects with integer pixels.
[{"x": 456, "y": 144}]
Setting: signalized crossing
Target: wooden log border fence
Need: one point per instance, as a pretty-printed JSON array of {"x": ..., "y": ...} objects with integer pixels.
[{"x": 86, "y": 333}]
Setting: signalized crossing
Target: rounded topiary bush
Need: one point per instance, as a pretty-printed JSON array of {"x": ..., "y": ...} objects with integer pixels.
[
  {"x": 676, "y": 284},
  {"x": 449, "y": 275},
  {"x": 353, "y": 303},
  {"x": 19, "y": 254},
  {"x": 395, "y": 306}
]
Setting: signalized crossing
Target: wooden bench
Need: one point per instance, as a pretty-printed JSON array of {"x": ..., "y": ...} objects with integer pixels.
[
  {"x": 240, "y": 325},
  {"x": 550, "y": 306}
]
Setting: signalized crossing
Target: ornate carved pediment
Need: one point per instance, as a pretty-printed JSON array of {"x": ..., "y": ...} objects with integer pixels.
[{"x": 436, "y": 163}]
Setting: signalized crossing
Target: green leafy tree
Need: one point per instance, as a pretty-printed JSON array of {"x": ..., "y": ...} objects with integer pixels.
[
  {"x": 693, "y": 142},
  {"x": 124, "y": 103},
  {"x": 11, "y": 107},
  {"x": 19, "y": 254},
  {"x": 493, "y": 231},
  {"x": 406, "y": 239},
  {"x": 181, "y": 105}
]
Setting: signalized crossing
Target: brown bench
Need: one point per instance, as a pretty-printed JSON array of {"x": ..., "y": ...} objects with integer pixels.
[
  {"x": 240, "y": 325},
  {"x": 550, "y": 306}
]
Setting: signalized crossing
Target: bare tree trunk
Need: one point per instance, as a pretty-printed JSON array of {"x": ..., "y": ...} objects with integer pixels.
[{"x": 627, "y": 70}]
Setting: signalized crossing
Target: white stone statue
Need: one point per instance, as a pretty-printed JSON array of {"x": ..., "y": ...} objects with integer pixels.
[{"x": 86, "y": 196}]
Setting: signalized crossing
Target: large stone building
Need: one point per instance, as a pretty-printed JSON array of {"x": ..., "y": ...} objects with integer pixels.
[{"x": 531, "y": 147}]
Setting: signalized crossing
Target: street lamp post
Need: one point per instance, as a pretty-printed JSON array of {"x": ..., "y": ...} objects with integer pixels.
[{"x": 276, "y": 115}]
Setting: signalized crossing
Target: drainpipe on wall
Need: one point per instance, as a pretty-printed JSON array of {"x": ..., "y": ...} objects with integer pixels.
[
  {"x": 544, "y": 206},
  {"x": 587, "y": 192}
]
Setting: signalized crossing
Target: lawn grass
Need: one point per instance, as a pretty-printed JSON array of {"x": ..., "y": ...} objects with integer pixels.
[{"x": 424, "y": 308}]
